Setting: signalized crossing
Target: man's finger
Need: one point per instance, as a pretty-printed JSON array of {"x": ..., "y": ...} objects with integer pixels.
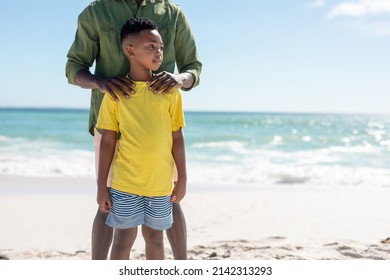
[
  {"x": 113, "y": 95},
  {"x": 169, "y": 88}
]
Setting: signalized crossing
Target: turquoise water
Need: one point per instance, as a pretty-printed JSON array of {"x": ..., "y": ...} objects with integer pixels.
[{"x": 257, "y": 149}]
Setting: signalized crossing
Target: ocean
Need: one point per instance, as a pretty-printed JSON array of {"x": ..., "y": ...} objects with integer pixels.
[{"x": 255, "y": 150}]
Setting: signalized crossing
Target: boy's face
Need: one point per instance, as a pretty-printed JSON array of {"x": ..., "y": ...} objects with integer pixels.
[{"x": 146, "y": 49}]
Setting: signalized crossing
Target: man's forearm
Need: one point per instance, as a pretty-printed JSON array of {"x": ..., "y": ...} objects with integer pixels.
[{"x": 85, "y": 79}]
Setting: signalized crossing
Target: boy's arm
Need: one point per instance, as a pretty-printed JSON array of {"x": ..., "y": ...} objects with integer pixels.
[
  {"x": 178, "y": 152},
  {"x": 107, "y": 150}
]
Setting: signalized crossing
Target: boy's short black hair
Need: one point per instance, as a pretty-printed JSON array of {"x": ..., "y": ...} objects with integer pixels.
[{"x": 136, "y": 25}]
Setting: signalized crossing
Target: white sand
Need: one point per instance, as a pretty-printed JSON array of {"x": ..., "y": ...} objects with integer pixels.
[{"x": 52, "y": 219}]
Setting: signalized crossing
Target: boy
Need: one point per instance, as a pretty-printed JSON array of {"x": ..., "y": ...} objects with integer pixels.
[{"x": 151, "y": 141}]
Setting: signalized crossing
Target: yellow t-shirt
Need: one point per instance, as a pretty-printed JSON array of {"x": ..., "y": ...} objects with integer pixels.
[{"x": 144, "y": 163}]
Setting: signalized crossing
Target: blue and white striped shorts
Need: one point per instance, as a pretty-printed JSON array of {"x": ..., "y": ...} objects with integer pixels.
[{"x": 130, "y": 210}]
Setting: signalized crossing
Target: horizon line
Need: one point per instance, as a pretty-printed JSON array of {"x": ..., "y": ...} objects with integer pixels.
[{"x": 52, "y": 108}]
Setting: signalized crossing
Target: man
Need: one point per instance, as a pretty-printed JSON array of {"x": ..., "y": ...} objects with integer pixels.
[{"x": 97, "y": 41}]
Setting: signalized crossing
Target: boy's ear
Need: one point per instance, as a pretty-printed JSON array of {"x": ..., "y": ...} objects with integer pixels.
[{"x": 129, "y": 50}]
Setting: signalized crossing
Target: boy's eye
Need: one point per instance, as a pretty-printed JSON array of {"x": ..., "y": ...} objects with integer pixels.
[{"x": 155, "y": 47}]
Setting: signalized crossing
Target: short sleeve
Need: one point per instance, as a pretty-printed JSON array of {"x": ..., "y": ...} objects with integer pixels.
[
  {"x": 108, "y": 114},
  {"x": 176, "y": 110}
]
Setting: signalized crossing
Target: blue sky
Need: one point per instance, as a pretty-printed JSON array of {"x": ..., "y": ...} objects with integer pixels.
[{"x": 280, "y": 55}]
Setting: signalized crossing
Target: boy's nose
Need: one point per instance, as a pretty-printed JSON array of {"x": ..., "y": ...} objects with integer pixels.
[{"x": 159, "y": 52}]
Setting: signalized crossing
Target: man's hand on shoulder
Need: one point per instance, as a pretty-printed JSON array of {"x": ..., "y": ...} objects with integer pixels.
[
  {"x": 164, "y": 82},
  {"x": 115, "y": 86}
]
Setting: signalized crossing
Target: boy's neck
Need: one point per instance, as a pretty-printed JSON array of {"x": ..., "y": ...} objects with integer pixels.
[
  {"x": 139, "y": 2},
  {"x": 140, "y": 76}
]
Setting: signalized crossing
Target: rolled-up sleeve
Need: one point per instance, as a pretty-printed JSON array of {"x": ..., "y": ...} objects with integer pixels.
[
  {"x": 85, "y": 47},
  {"x": 187, "y": 58}
]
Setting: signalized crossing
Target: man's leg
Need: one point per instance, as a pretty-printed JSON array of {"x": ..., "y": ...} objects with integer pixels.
[
  {"x": 101, "y": 233},
  {"x": 101, "y": 236},
  {"x": 177, "y": 234}
]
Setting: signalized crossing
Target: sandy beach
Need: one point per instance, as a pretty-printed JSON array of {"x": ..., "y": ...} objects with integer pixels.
[{"x": 51, "y": 218}]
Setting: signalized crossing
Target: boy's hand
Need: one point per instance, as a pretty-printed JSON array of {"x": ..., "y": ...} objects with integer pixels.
[
  {"x": 116, "y": 85},
  {"x": 104, "y": 200},
  {"x": 179, "y": 191}
]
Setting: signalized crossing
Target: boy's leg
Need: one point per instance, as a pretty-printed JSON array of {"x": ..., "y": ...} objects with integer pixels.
[
  {"x": 154, "y": 243},
  {"x": 123, "y": 241},
  {"x": 158, "y": 217},
  {"x": 177, "y": 234}
]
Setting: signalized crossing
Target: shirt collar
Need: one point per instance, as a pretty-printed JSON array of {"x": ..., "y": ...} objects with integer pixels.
[{"x": 146, "y": 2}]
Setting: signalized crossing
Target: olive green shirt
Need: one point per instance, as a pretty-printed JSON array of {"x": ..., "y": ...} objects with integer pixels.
[{"x": 97, "y": 40}]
